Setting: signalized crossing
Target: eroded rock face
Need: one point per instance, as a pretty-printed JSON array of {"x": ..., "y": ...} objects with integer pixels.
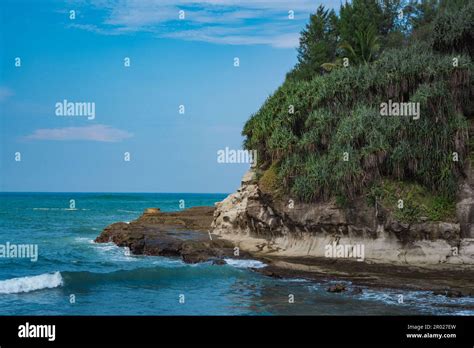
[
  {"x": 178, "y": 234},
  {"x": 465, "y": 205},
  {"x": 258, "y": 223}
]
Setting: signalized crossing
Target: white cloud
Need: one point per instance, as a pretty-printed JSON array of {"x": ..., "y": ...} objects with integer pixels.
[
  {"x": 5, "y": 93},
  {"x": 235, "y": 22},
  {"x": 236, "y": 37},
  {"x": 98, "y": 132}
]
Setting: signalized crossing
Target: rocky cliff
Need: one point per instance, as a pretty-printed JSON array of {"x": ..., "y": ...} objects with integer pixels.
[
  {"x": 465, "y": 204},
  {"x": 260, "y": 223}
]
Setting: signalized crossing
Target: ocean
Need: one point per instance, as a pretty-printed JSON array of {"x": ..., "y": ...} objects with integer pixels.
[{"x": 75, "y": 276}]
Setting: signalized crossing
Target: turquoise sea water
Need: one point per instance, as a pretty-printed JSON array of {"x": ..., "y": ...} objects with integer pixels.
[{"x": 104, "y": 279}]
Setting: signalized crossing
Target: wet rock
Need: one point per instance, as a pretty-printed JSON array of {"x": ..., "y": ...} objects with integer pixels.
[
  {"x": 176, "y": 234},
  {"x": 339, "y": 287},
  {"x": 152, "y": 211},
  {"x": 219, "y": 262},
  {"x": 195, "y": 218},
  {"x": 268, "y": 272},
  {"x": 448, "y": 293}
]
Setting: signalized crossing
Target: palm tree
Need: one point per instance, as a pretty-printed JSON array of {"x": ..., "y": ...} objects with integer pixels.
[
  {"x": 365, "y": 49},
  {"x": 366, "y": 46}
]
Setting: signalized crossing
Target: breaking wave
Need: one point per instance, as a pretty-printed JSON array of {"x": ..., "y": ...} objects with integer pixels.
[{"x": 31, "y": 283}]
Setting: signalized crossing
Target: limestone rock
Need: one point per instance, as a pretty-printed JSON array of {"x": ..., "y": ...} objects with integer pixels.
[
  {"x": 465, "y": 206},
  {"x": 263, "y": 224}
]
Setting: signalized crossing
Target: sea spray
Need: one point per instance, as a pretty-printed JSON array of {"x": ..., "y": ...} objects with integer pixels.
[{"x": 245, "y": 263}]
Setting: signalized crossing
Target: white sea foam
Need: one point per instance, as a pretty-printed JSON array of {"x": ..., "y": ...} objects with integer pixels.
[
  {"x": 167, "y": 262},
  {"x": 245, "y": 263},
  {"x": 114, "y": 252},
  {"x": 294, "y": 280},
  {"x": 32, "y": 283},
  {"x": 106, "y": 247},
  {"x": 84, "y": 240}
]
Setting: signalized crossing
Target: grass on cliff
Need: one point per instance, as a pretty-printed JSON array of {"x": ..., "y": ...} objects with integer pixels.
[
  {"x": 268, "y": 180},
  {"x": 418, "y": 202}
]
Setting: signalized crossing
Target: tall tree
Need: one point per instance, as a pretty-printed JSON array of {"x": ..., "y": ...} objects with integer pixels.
[
  {"x": 384, "y": 18},
  {"x": 359, "y": 16},
  {"x": 318, "y": 43},
  {"x": 424, "y": 12}
]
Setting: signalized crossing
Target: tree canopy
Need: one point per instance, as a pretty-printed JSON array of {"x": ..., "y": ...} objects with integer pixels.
[{"x": 333, "y": 141}]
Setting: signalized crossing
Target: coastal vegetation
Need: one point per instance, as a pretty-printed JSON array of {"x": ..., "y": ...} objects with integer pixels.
[{"x": 321, "y": 134}]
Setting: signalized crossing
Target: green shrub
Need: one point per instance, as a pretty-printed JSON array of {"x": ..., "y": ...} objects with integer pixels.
[
  {"x": 418, "y": 202},
  {"x": 453, "y": 31},
  {"x": 268, "y": 182},
  {"x": 339, "y": 113}
]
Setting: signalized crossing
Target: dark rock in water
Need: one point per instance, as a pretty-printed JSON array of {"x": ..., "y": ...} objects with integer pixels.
[
  {"x": 339, "y": 287},
  {"x": 454, "y": 294},
  {"x": 267, "y": 272},
  {"x": 357, "y": 291},
  {"x": 179, "y": 234},
  {"x": 219, "y": 262},
  {"x": 448, "y": 293}
]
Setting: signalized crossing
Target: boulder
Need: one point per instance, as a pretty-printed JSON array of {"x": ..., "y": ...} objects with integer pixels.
[{"x": 339, "y": 287}]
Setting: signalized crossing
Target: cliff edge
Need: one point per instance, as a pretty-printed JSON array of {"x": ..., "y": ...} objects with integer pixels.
[{"x": 265, "y": 225}]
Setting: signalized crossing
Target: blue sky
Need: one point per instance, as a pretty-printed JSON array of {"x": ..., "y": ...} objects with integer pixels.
[{"x": 173, "y": 62}]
